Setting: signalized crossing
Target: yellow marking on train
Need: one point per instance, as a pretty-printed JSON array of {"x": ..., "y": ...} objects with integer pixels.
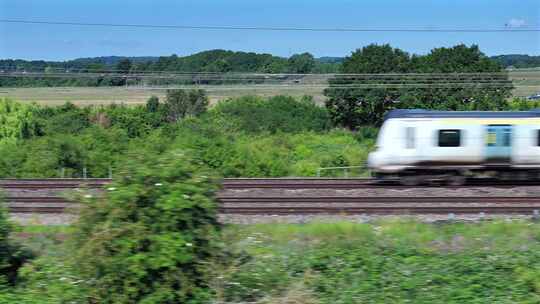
[
  {"x": 492, "y": 121},
  {"x": 491, "y": 138}
]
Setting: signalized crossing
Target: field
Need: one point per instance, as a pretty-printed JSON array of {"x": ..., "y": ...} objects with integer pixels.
[
  {"x": 527, "y": 82},
  {"x": 139, "y": 95},
  {"x": 340, "y": 262}
]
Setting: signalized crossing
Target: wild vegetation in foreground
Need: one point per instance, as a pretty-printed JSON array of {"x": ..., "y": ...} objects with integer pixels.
[
  {"x": 248, "y": 136},
  {"x": 337, "y": 262},
  {"x": 243, "y": 137}
]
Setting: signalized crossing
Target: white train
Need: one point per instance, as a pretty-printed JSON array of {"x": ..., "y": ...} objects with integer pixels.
[{"x": 415, "y": 146}]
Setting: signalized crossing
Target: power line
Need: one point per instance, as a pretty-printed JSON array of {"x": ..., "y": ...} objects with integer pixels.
[
  {"x": 296, "y": 29},
  {"x": 30, "y": 72}
]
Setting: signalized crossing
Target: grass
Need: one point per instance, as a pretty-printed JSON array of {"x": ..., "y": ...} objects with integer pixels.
[
  {"x": 386, "y": 262},
  {"x": 137, "y": 95},
  {"x": 527, "y": 82},
  {"x": 344, "y": 262}
]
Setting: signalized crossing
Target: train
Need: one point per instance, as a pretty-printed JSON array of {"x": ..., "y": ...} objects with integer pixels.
[{"x": 418, "y": 146}]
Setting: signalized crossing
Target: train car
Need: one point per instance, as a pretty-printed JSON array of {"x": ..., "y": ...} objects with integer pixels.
[{"x": 416, "y": 146}]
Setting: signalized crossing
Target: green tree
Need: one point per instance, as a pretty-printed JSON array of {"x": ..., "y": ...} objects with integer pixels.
[
  {"x": 376, "y": 59},
  {"x": 301, "y": 63},
  {"x": 151, "y": 237},
  {"x": 251, "y": 114},
  {"x": 456, "y": 78},
  {"x": 17, "y": 120},
  {"x": 124, "y": 66},
  {"x": 152, "y": 104},
  {"x": 182, "y": 103},
  {"x": 352, "y": 105}
]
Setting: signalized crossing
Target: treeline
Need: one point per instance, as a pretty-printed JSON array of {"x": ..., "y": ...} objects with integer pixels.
[
  {"x": 113, "y": 71},
  {"x": 118, "y": 71},
  {"x": 518, "y": 61},
  {"x": 455, "y": 78}
]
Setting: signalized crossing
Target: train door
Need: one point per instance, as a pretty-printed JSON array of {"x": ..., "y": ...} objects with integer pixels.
[
  {"x": 408, "y": 152},
  {"x": 498, "y": 143}
]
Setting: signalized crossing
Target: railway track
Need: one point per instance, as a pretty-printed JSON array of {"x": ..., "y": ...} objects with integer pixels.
[
  {"x": 251, "y": 197},
  {"x": 261, "y": 183},
  {"x": 326, "y": 205},
  {"x": 53, "y": 183}
]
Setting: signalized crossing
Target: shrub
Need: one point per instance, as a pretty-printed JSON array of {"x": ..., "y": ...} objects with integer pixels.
[
  {"x": 16, "y": 120},
  {"x": 151, "y": 237},
  {"x": 182, "y": 103},
  {"x": 12, "y": 256},
  {"x": 522, "y": 104},
  {"x": 253, "y": 114},
  {"x": 65, "y": 119},
  {"x": 152, "y": 104}
]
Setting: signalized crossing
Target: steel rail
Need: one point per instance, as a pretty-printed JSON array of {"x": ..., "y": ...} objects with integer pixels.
[
  {"x": 327, "y": 205},
  {"x": 408, "y": 210},
  {"x": 247, "y": 183}
]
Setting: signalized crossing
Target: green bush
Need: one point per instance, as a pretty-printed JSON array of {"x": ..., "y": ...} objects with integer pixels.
[
  {"x": 180, "y": 104},
  {"x": 12, "y": 256},
  {"x": 522, "y": 104},
  {"x": 250, "y": 136},
  {"x": 64, "y": 119},
  {"x": 151, "y": 237},
  {"x": 253, "y": 114},
  {"x": 387, "y": 262},
  {"x": 271, "y": 155},
  {"x": 16, "y": 120}
]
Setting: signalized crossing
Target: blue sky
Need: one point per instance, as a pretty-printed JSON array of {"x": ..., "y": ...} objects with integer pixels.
[{"x": 55, "y": 42}]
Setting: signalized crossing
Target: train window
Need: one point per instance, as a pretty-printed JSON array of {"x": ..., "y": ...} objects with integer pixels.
[
  {"x": 491, "y": 138},
  {"x": 449, "y": 138},
  {"x": 538, "y": 138},
  {"x": 507, "y": 137},
  {"x": 409, "y": 138}
]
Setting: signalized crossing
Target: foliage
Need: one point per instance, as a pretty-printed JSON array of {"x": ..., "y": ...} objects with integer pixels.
[
  {"x": 335, "y": 262},
  {"x": 52, "y": 277},
  {"x": 152, "y": 104},
  {"x": 66, "y": 118},
  {"x": 253, "y": 114},
  {"x": 352, "y": 102},
  {"x": 517, "y": 61},
  {"x": 12, "y": 255},
  {"x": 152, "y": 235},
  {"x": 180, "y": 104},
  {"x": 386, "y": 262},
  {"x": 16, "y": 120},
  {"x": 248, "y": 136},
  {"x": 522, "y": 104},
  {"x": 301, "y": 63},
  {"x": 265, "y": 155},
  {"x": 215, "y": 61},
  {"x": 124, "y": 66}
]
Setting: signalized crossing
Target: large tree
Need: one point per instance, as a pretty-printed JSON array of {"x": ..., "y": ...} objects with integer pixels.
[
  {"x": 124, "y": 66},
  {"x": 379, "y": 78},
  {"x": 355, "y": 99},
  {"x": 301, "y": 63},
  {"x": 182, "y": 103}
]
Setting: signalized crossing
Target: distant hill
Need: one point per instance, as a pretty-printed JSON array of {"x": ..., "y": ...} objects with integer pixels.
[
  {"x": 518, "y": 61},
  {"x": 328, "y": 59},
  {"x": 216, "y": 61},
  {"x": 221, "y": 61},
  {"x": 113, "y": 60}
]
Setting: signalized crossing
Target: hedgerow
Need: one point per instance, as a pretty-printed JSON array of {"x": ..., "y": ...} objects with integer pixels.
[{"x": 152, "y": 236}]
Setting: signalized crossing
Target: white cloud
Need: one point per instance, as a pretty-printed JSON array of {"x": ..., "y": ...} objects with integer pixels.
[{"x": 516, "y": 22}]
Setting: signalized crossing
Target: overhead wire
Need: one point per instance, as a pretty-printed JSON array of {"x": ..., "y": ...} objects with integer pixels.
[{"x": 523, "y": 28}]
